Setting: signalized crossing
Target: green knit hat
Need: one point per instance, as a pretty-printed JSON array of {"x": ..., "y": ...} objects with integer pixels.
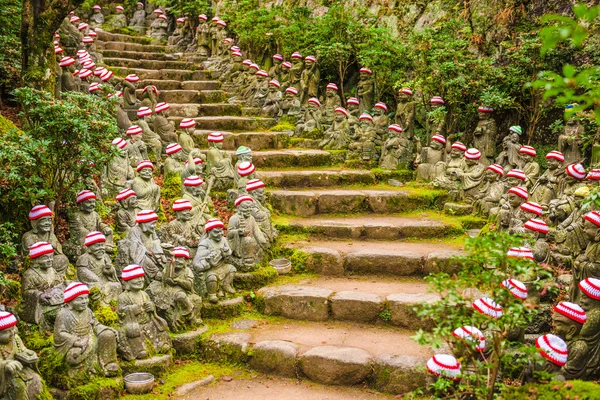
[
  {"x": 243, "y": 150},
  {"x": 516, "y": 129}
]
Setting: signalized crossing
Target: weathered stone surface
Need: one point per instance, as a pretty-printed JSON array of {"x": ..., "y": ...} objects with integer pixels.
[
  {"x": 244, "y": 324},
  {"x": 254, "y": 140},
  {"x": 118, "y": 37},
  {"x": 299, "y": 203},
  {"x": 317, "y": 178},
  {"x": 156, "y": 365},
  {"x": 565, "y": 279},
  {"x": 200, "y": 85},
  {"x": 332, "y": 365},
  {"x": 297, "y": 302},
  {"x": 251, "y": 111},
  {"x": 324, "y": 261},
  {"x": 230, "y": 347},
  {"x": 341, "y": 201},
  {"x": 176, "y": 97},
  {"x": 168, "y": 74},
  {"x": 148, "y": 64},
  {"x": 140, "y": 55},
  {"x": 458, "y": 208},
  {"x": 189, "y": 387},
  {"x": 122, "y": 46},
  {"x": 186, "y": 343},
  {"x": 399, "y": 374},
  {"x": 160, "y": 84},
  {"x": 223, "y": 309},
  {"x": 230, "y": 123},
  {"x": 383, "y": 262},
  {"x": 275, "y": 357},
  {"x": 400, "y": 306},
  {"x": 212, "y": 96},
  {"x": 356, "y": 306},
  {"x": 443, "y": 261}
]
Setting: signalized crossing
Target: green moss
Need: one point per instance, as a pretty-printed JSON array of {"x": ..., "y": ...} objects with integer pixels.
[
  {"x": 283, "y": 126},
  {"x": 107, "y": 316},
  {"x": 53, "y": 368},
  {"x": 92, "y": 390},
  {"x": 263, "y": 276},
  {"x": 171, "y": 188},
  {"x": 554, "y": 391},
  {"x": 6, "y": 125},
  {"x": 35, "y": 338}
]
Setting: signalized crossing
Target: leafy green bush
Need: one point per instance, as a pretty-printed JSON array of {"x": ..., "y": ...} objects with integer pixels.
[{"x": 10, "y": 46}]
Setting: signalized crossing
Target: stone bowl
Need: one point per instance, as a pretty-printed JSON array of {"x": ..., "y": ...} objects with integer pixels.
[
  {"x": 395, "y": 182},
  {"x": 139, "y": 383},
  {"x": 282, "y": 265}
]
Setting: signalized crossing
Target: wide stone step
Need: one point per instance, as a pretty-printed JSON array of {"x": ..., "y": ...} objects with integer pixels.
[
  {"x": 305, "y": 203},
  {"x": 230, "y": 123},
  {"x": 125, "y": 46},
  {"x": 150, "y": 64},
  {"x": 378, "y": 227},
  {"x": 364, "y": 259},
  {"x": 285, "y": 158},
  {"x": 253, "y": 140},
  {"x": 117, "y": 37},
  {"x": 316, "y": 178},
  {"x": 172, "y": 84},
  {"x": 176, "y": 96},
  {"x": 166, "y": 74},
  {"x": 189, "y": 99},
  {"x": 140, "y": 55}
]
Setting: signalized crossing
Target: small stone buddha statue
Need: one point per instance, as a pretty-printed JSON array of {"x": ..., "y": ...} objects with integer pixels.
[
  {"x": 530, "y": 167},
  {"x": 127, "y": 210},
  {"x": 150, "y": 138},
  {"x": 97, "y": 18},
  {"x": 569, "y": 142},
  {"x": 244, "y": 235},
  {"x": 146, "y": 190},
  {"x": 364, "y": 140},
  {"x": 437, "y": 119},
  {"x": 310, "y": 80},
  {"x": 118, "y": 173},
  {"x": 290, "y": 105},
  {"x": 330, "y": 104},
  {"x": 138, "y": 21},
  {"x": 84, "y": 220},
  {"x": 405, "y": 112},
  {"x": 397, "y": 150},
  {"x": 182, "y": 231},
  {"x": 484, "y": 136},
  {"x": 456, "y": 161},
  {"x": 202, "y": 205},
  {"x": 570, "y": 236},
  {"x": 587, "y": 264},
  {"x": 509, "y": 157},
  {"x": 538, "y": 230},
  {"x": 567, "y": 321},
  {"x": 296, "y": 72},
  {"x": 381, "y": 121},
  {"x": 243, "y": 154},
  {"x": 158, "y": 27},
  {"x": 149, "y": 97},
  {"x": 353, "y": 107},
  {"x": 470, "y": 176},
  {"x": 245, "y": 172},
  {"x": 337, "y": 137},
  {"x": 270, "y": 106},
  {"x": 365, "y": 90},
  {"x": 119, "y": 20},
  {"x": 311, "y": 119},
  {"x": 187, "y": 127},
  {"x": 547, "y": 186},
  {"x": 589, "y": 300},
  {"x": 509, "y": 214},
  {"x": 275, "y": 72},
  {"x": 202, "y": 38},
  {"x": 429, "y": 157},
  {"x": 141, "y": 331},
  {"x": 490, "y": 191},
  {"x": 218, "y": 163},
  {"x": 136, "y": 148},
  {"x": 174, "y": 164},
  {"x": 162, "y": 126},
  {"x": 261, "y": 213}
]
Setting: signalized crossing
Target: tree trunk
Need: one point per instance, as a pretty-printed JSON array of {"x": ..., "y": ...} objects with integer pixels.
[{"x": 39, "y": 20}]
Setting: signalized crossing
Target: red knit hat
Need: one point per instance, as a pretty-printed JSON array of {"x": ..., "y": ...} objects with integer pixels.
[
  {"x": 516, "y": 173},
  {"x": 537, "y": 225},
  {"x": 85, "y": 195},
  {"x": 532, "y": 207},
  {"x": 39, "y": 249},
  {"x": 7, "y": 320},
  {"x": 439, "y": 138},
  {"x": 572, "y": 311},
  {"x": 124, "y": 194},
  {"x": 488, "y": 307},
  {"x": 181, "y": 205},
  {"x": 94, "y": 237},
  {"x": 459, "y": 146},
  {"x": 132, "y": 271},
  {"x": 181, "y": 251},
  {"x": 444, "y": 366},
  {"x": 528, "y": 150},
  {"x": 215, "y": 137},
  {"x": 212, "y": 224},
  {"x": 519, "y": 191},
  {"x": 144, "y": 164},
  {"x": 557, "y": 155},
  {"x": 246, "y": 168},
  {"x": 254, "y": 184},
  {"x": 576, "y": 171},
  {"x": 38, "y": 212},
  {"x": 75, "y": 290},
  {"x": 472, "y": 154},
  {"x": 192, "y": 181},
  {"x": 516, "y": 288},
  {"x": 146, "y": 216},
  {"x": 593, "y": 217},
  {"x": 553, "y": 349},
  {"x": 173, "y": 148},
  {"x": 242, "y": 199},
  {"x": 497, "y": 169}
]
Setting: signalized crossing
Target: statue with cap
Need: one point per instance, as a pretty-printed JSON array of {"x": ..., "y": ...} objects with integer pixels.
[
  {"x": 146, "y": 190},
  {"x": 142, "y": 332},
  {"x": 587, "y": 264},
  {"x": 158, "y": 27},
  {"x": 570, "y": 237},
  {"x": 182, "y": 231},
  {"x": 569, "y": 141},
  {"x": 138, "y": 21},
  {"x": 309, "y": 80},
  {"x": 149, "y": 97},
  {"x": 490, "y": 191},
  {"x": 397, "y": 150},
  {"x": 365, "y": 90},
  {"x": 186, "y": 130},
  {"x": 547, "y": 187},
  {"x": 150, "y": 138},
  {"x": 258, "y": 94},
  {"x": 381, "y": 121},
  {"x": 296, "y": 73},
  {"x": 436, "y": 121},
  {"x": 337, "y": 137},
  {"x": 164, "y": 128},
  {"x": 270, "y": 107},
  {"x": 290, "y": 104},
  {"x": 127, "y": 210},
  {"x": 567, "y": 321},
  {"x": 202, "y": 39},
  {"x": 202, "y": 206},
  {"x": 218, "y": 163},
  {"x": 136, "y": 148},
  {"x": 509, "y": 157},
  {"x": 119, "y": 20},
  {"x": 261, "y": 213},
  {"x": 19, "y": 376},
  {"x": 97, "y": 18},
  {"x": 213, "y": 263},
  {"x": 363, "y": 146},
  {"x": 509, "y": 215},
  {"x": 118, "y": 174},
  {"x": 530, "y": 167},
  {"x": 244, "y": 235},
  {"x": 430, "y": 157},
  {"x": 484, "y": 135},
  {"x": 331, "y": 102},
  {"x": 405, "y": 113},
  {"x": 174, "y": 165},
  {"x": 311, "y": 119},
  {"x": 84, "y": 342},
  {"x": 589, "y": 300},
  {"x": 447, "y": 178},
  {"x": 470, "y": 176},
  {"x": 194, "y": 165}
]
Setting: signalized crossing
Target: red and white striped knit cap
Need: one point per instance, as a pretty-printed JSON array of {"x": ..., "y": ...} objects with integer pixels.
[
  {"x": 571, "y": 310},
  {"x": 444, "y": 366},
  {"x": 38, "y": 212},
  {"x": 381, "y": 106},
  {"x": 94, "y": 237},
  {"x": 275, "y": 83},
  {"x": 487, "y": 306},
  {"x": 99, "y": 71},
  {"x": 75, "y": 290},
  {"x": 472, "y": 335},
  {"x": 212, "y": 224},
  {"x": 120, "y": 143},
  {"x": 87, "y": 40},
  {"x": 215, "y": 137},
  {"x": 182, "y": 204},
  {"x": 120, "y": 8},
  {"x": 537, "y": 225},
  {"x": 93, "y": 87},
  {"x": 472, "y": 154},
  {"x": 246, "y": 168},
  {"x": 496, "y": 168},
  {"x": 134, "y": 130},
  {"x": 439, "y": 138},
  {"x": 593, "y": 217},
  {"x": 7, "y": 320},
  {"x": 193, "y": 181},
  {"x": 145, "y": 216},
  {"x": 124, "y": 194},
  {"x": 484, "y": 109},
  {"x": 516, "y": 288},
  {"x": 132, "y": 271},
  {"x": 39, "y": 249},
  {"x": 222, "y": 23},
  {"x": 332, "y": 86},
  {"x": 173, "y": 148},
  {"x": 187, "y": 123},
  {"x": 553, "y": 349},
  {"x": 286, "y": 64},
  {"x": 459, "y": 146},
  {"x": 181, "y": 251},
  {"x": 162, "y": 16},
  {"x": 161, "y": 107},
  {"x": 66, "y": 61},
  {"x": 180, "y": 19},
  {"x": 311, "y": 59},
  {"x": 395, "y": 128},
  {"x": 85, "y": 73},
  {"x": 82, "y": 26},
  {"x": 520, "y": 252},
  {"x": 576, "y": 171},
  {"x": 144, "y": 164},
  {"x": 203, "y": 17},
  {"x": 197, "y": 160},
  {"x": 315, "y": 101},
  {"x": 528, "y": 150},
  {"x": 85, "y": 195},
  {"x": 262, "y": 73},
  {"x": 353, "y": 100},
  {"x": 364, "y": 117},
  {"x": 144, "y": 112},
  {"x": 556, "y": 155},
  {"x": 593, "y": 175},
  {"x": 519, "y": 191},
  {"x": 106, "y": 76},
  {"x": 74, "y": 18},
  {"x": 516, "y": 173},
  {"x": 365, "y": 70},
  {"x": 132, "y": 78},
  {"x": 342, "y": 110},
  {"x": 292, "y": 90},
  {"x": 242, "y": 199},
  {"x": 405, "y": 91},
  {"x": 532, "y": 207},
  {"x": 591, "y": 287},
  {"x": 297, "y": 55},
  {"x": 437, "y": 100},
  {"x": 277, "y": 57},
  {"x": 254, "y": 184}
]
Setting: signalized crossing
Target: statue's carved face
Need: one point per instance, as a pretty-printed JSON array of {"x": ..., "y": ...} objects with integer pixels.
[
  {"x": 456, "y": 153},
  {"x": 245, "y": 157},
  {"x": 184, "y": 215},
  {"x": 491, "y": 176},
  {"x": 43, "y": 224},
  {"x": 245, "y": 209},
  {"x": 587, "y": 303},
  {"x": 6, "y": 335},
  {"x": 130, "y": 202},
  {"x": 148, "y": 227},
  {"x": 180, "y": 262},
  {"x": 470, "y": 163},
  {"x": 511, "y": 181},
  {"x": 526, "y": 158},
  {"x": 217, "y": 145},
  {"x": 216, "y": 234},
  {"x": 514, "y": 200},
  {"x": 435, "y": 145},
  {"x": 273, "y": 88},
  {"x": 378, "y": 111},
  {"x": 590, "y": 230},
  {"x": 296, "y": 61},
  {"x": 195, "y": 191},
  {"x": 145, "y": 174},
  {"x": 403, "y": 97},
  {"x": 79, "y": 303},
  {"x": 483, "y": 115},
  {"x": 339, "y": 117},
  {"x": 552, "y": 163},
  {"x": 563, "y": 327},
  {"x": 259, "y": 194},
  {"x": 44, "y": 262},
  {"x": 365, "y": 123},
  {"x": 312, "y": 106},
  {"x": 330, "y": 92},
  {"x": 351, "y": 107},
  {"x": 98, "y": 250},
  {"x": 179, "y": 156},
  {"x": 136, "y": 283},
  {"x": 140, "y": 7}
]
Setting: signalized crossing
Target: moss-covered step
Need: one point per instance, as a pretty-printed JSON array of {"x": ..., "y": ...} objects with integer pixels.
[
  {"x": 125, "y": 46},
  {"x": 305, "y": 203},
  {"x": 230, "y": 123},
  {"x": 369, "y": 226},
  {"x": 253, "y": 140},
  {"x": 201, "y": 85},
  {"x": 141, "y": 55},
  {"x": 150, "y": 64},
  {"x": 376, "y": 258},
  {"x": 289, "y": 157},
  {"x": 184, "y": 100},
  {"x": 251, "y": 111},
  {"x": 175, "y": 96},
  {"x": 316, "y": 178},
  {"x": 204, "y": 110},
  {"x": 117, "y": 37},
  {"x": 168, "y": 74}
]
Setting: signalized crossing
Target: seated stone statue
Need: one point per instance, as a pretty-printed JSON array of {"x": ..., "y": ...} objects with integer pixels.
[
  {"x": 174, "y": 295},
  {"x": 142, "y": 332},
  {"x": 569, "y": 235},
  {"x": 218, "y": 163},
  {"x": 538, "y": 230},
  {"x": 84, "y": 342},
  {"x": 245, "y": 172},
  {"x": 589, "y": 300},
  {"x": 136, "y": 148},
  {"x": 146, "y": 190},
  {"x": 95, "y": 269},
  {"x": 262, "y": 215},
  {"x": 41, "y": 287},
  {"x": 470, "y": 176},
  {"x": 275, "y": 72},
  {"x": 429, "y": 157},
  {"x": 202, "y": 205},
  {"x": 119, "y": 20},
  {"x": 574, "y": 179},
  {"x": 510, "y": 157},
  {"x": 290, "y": 105},
  {"x": 331, "y": 103},
  {"x": 513, "y": 178},
  {"x": 258, "y": 93},
  {"x": 182, "y": 231},
  {"x": 243, "y": 154},
  {"x": 587, "y": 264},
  {"x": 118, "y": 173},
  {"x": 244, "y": 235},
  {"x": 97, "y": 18},
  {"x": 138, "y": 21},
  {"x": 174, "y": 164},
  {"x": 150, "y": 138},
  {"x": 509, "y": 214},
  {"x": 42, "y": 230},
  {"x": 490, "y": 191},
  {"x": 212, "y": 264},
  {"x": 447, "y": 179},
  {"x": 194, "y": 166},
  {"x": 381, "y": 121},
  {"x": 19, "y": 376},
  {"x": 84, "y": 220},
  {"x": 311, "y": 119},
  {"x": 164, "y": 128},
  {"x": 364, "y": 142},
  {"x": 569, "y": 141},
  {"x": 129, "y": 86},
  {"x": 547, "y": 186},
  {"x": 352, "y": 105},
  {"x": 142, "y": 246},
  {"x": 127, "y": 210},
  {"x": 365, "y": 90},
  {"x": 397, "y": 150},
  {"x": 337, "y": 137},
  {"x": 567, "y": 321},
  {"x": 270, "y": 106},
  {"x": 149, "y": 97},
  {"x": 187, "y": 126},
  {"x": 181, "y": 37},
  {"x": 530, "y": 167},
  {"x": 158, "y": 27}
]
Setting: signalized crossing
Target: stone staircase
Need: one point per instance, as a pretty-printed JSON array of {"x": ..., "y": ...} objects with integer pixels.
[{"x": 366, "y": 245}]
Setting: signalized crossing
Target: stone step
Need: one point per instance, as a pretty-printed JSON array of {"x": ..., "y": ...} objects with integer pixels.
[
  {"x": 284, "y": 158},
  {"x": 330, "y": 353},
  {"x": 140, "y": 55},
  {"x": 230, "y": 123},
  {"x": 117, "y": 37},
  {"x": 149, "y": 64},
  {"x": 253, "y": 140},
  {"x": 166, "y": 74},
  {"x": 305, "y": 203},
  {"x": 378, "y": 258},
  {"x": 187, "y": 100},
  {"x": 175, "y": 96},
  {"x": 377, "y": 227},
  {"x": 204, "y": 109},
  {"x": 329, "y": 177},
  {"x": 124, "y": 46},
  {"x": 251, "y": 111}
]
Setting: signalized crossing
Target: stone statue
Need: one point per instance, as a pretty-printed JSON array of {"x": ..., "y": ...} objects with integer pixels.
[
  {"x": 547, "y": 186},
  {"x": 337, "y": 137},
  {"x": 123, "y": 121},
  {"x": 275, "y": 72},
  {"x": 530, "y": 167},
  {"x": 19, "y": 377},
  {"x": 447, "y": 177},
  {"x": 538, "y": 230},
  {"x": 41, "y": 287},
  {"x": 80, "y": 338},
  {"x": 587, "y": 264},
  {"x": 570, "y": 237},
  {"x": 118, "y": 173},
  {"x": 138, "y": 21},
  {"x": 119, "y": 20},
  {"x": 429, "y": 157},
  {"x": 311, "y": 120},
  {"x": 142, "y": 332},
  {"x": 97, "y": 18},
  {"x": 243, "y": 154},
  {"x": 142, "y": 246},
  {"x": 194, "y": 166},
  {"x": 286, "y": 69},
  {"x": 260, "y": 90},
  {"x": 310, "y": 79},
  {"x": 364, "y": 142},
  {"x": 332, "y": 102},
  {"x": 574, "y": 179},
  {"x": 436, "y": 118},
  {"x": 235, "y": 68},
  {"x": 405, "y": 113},
  {"x": 270, "y": 106},
  {"x": 129, "y": 86},
  {"x": 136, "y": 148},
  {"x": 174, "y": 295},
  {"x": 182, "y": 231},
  {"x": 397, "y": 151},
  {"x": 381, "y": 121},
  {"x": 590, "y": 334},
  {"x": 509, "y": 157},
  {"x": 187, "y": 126},
  {"x": 569, "y": 142},
  {"x": 213, "y": 263},
  {"x": 567, "y": 321},
  {"x": 174, "y": 164},
  {"x": 218, "y": 163},
  {"x": 296, "y": 73},
  {"x": 247, "y": 89},
  {"x": 490, "y": 191},
  {"x": 365, "y": 90},
  {"x": 202, "y": 36},
  {"x": 353, "y": 107},
  {"x": 163, "y": 127},
  {"x": 181, "y": 37},
  {"x": 509, "y": 214},
  {"x": 67, "y": 83},
  {"x": 85, "y": 220},
  {"x": 202, "y": 205},
  {"x": 262, "y": 215},
  {"x": 244, "y": 235},
  {"x": 245, "y": 172},
  {"x": 484, "y": 136},
  {"x": 290, "y": 105},
  {"x": 158, "y": 27},
  {"x": 95, "y": 268},
  {"x": 42, "y": 230},
  {"x": 146, "y": 190},
  {"x": 150, "y": 138},
  {"x": 470, "y": 176},
  {"x": 149, "y": 97},
  {"x": 127, "y": 211}
]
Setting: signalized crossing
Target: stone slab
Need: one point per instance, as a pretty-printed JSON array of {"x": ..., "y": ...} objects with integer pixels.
[
  {"x": 402, "y": 314},
  {"x": 140, "y": 55},
  {"x": 187, "y": 343},
  {"x": 190, "y": 387},
  {"x": 231, "y": 347},
  {"x": 297, "y": 302},
  {"x": 458, "y": 208},
  {"x": 254, "y": 140},
  {"x": 399, "y": 374},
  {"x": 123, "y": 46},
  {"x": 230, "y": 123},
  {"x": 225, "y": 308},
  {"x": 167, "y": 74},
  {"x": 148, "y": 64},
  {"x": 332, "y": 365},
  {"x": 383, "y": 262},
  {"x": 276, "y": 357},
  {"x": 324, "y": 261},
  {"x": 356, "y": 306},
  {"x": 442, "y": 261},
  {"x": 156, "y": 365},
  {"x": 316, "y": 178}
]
